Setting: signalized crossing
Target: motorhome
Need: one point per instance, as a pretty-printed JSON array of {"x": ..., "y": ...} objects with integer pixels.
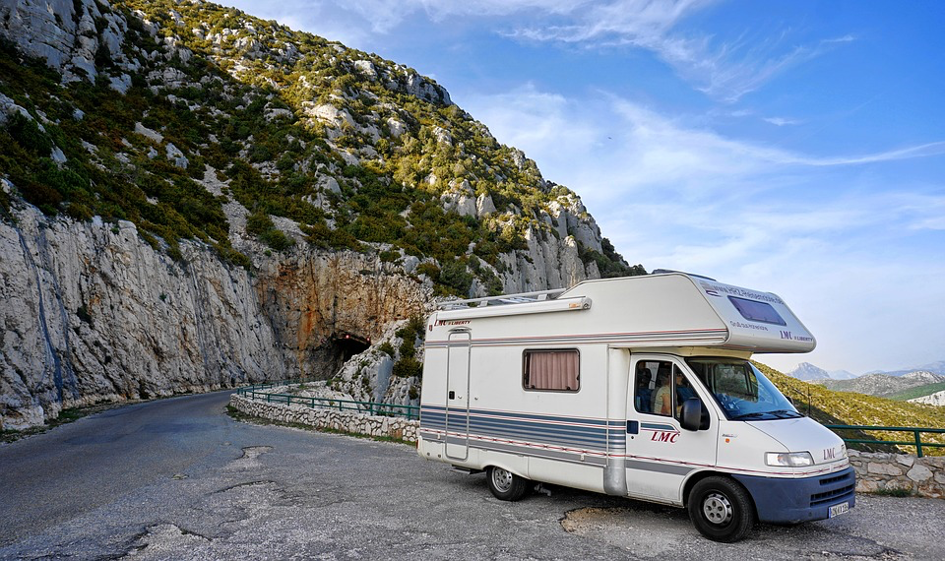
[{"x": 639, "y": 387}]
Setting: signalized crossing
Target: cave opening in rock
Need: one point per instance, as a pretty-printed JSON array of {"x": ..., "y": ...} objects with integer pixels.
[
  {"x": 347, "y": 345},
  {"x": 334, "y": 351}
]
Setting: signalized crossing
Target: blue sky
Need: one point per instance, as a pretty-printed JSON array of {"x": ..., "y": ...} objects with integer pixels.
[{"x": 795, "y": 147}]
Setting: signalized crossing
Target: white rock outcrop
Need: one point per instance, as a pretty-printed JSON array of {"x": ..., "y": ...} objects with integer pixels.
[
  {"x": 65, "y": 33},
  {"x": 936, "y": 399}
]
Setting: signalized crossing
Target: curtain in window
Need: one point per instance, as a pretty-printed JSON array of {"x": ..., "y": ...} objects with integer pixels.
[{"x": 553, "y": 370}]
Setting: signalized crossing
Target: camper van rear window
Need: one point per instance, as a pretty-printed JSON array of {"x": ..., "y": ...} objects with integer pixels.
[
  {"x": 757, "y": 311},
  {"x": 552, "y": 369}
]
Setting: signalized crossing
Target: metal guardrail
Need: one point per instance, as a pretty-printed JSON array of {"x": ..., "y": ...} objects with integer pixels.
[
  {"x": 372, "y": 408},
  {"x": 916, "y": 432}
]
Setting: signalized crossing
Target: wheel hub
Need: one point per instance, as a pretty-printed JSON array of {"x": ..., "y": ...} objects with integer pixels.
[
  {"x": 717, "y": 509},
  {"x": 502, "y": 479}
]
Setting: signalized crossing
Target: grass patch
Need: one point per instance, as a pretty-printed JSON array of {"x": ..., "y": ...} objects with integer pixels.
[{"x": 895, "y": 492}]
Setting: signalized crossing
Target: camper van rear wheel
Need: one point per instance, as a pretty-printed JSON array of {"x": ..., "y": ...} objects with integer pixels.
[
  {"x": 721, "y": 509},
  {"x": 505, "y": 485}
]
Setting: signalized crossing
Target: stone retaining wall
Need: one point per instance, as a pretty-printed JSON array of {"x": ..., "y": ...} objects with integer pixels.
[
  {"x": 886, "y": 471},
  {"x": 322, "y": 418}
]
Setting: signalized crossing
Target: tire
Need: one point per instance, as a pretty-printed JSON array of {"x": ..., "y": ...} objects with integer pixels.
[
  {"x": 721, "y": 509},
  {"x": 505, "y": 485}
]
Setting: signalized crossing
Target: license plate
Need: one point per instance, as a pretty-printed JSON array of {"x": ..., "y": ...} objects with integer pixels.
[{"x": 839, "y": 509}]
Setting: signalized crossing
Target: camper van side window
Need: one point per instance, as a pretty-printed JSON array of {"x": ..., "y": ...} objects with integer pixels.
[
  {"x": 552, "y": 369},
  {"x": 653, "y": 387}
]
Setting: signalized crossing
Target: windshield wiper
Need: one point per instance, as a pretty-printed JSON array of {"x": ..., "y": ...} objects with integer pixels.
[
  {"x": 780, "y": 414},
  {"x": 787, "y": 413},
  {"x": 749, "y": 415}
]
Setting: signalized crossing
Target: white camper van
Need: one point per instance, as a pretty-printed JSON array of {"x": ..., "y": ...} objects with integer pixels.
[{"x": 638, "y": 387}]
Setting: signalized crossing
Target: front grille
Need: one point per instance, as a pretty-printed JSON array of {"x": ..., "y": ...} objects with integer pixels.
[
  {"x": 829, "y": 496},
  {"x": 831, "y": 480}
]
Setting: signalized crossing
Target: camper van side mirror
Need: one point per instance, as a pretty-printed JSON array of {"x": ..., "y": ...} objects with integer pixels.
[{"x": 690, "y": 417}]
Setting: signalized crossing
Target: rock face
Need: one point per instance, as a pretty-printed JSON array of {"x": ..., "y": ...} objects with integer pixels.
[
  {"x": 550, "y": 263},
  {"x": 314, "y": 300},
  {"x": 92, "y": 313},
  {"x": 66, "y": 34},
  {"x": 96, "y": 309}
]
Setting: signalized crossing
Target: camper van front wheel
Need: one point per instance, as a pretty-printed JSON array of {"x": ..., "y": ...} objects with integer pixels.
[
  {"x": 505, "y": 485},
  {"x": 721, "y": 509}
]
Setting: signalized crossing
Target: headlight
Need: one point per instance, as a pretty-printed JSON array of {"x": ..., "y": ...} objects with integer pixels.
[{"x": 789, "y": 459}]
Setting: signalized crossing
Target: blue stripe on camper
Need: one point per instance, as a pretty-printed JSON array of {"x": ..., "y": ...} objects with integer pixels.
[{"x": 558, "y": 431}]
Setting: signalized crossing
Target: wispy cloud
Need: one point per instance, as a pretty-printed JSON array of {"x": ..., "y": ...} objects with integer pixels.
[
  {"x": 725, "y": 70},
  {"x": 781, "y": 121},
  {"x": 918, "y": 151},
  {"x": 615, "y": 142},
  {"x": 730, "y": 70},
  {"x": 643, "y": 23}
]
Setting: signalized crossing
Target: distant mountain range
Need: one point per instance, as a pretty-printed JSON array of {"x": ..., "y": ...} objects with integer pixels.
[
  {"x": 918, "y": 384},
  {"x": 810, "y": 372},
  {"x": 937, "y": 367}
]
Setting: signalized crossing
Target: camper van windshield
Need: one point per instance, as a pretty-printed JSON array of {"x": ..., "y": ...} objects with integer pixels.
[{"x": 741, "y": 390}]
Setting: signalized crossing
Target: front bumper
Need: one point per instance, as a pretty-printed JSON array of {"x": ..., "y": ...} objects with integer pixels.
[{"x": 794, "y": 500}]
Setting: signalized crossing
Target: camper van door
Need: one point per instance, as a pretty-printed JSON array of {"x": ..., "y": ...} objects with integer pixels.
[
  {"x": 457, "y": 396},
  {"x": 660, "y": 454}
]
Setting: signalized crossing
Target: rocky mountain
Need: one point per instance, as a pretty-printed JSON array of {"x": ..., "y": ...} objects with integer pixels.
[
  {"x": 193, "y": 198},
  {"x": 879, "y": 384},
  {"x": 809, "y": 372}
]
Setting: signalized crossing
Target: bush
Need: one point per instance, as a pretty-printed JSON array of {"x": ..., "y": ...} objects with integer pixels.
[
  {"x": 428, "y": 269},
  {"x": 261, "y": 225},
  {"x": 407, "y": 347},
  {"x": 387, "y": 348},
  {"x": 389, "y": 256},
  {"x": 407, "y": 367},
  {"x": 277, "y": 240},
  {"x": 26, "y": 132},
  {"x": 454, "y": 276}
]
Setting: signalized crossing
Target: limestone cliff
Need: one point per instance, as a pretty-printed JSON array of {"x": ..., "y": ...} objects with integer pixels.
[
  {"x": 194, "y": 198},
  {"x": 92, "y": 313}
]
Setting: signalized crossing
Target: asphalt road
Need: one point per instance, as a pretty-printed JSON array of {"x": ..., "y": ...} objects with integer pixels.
[{"x": 178, "y": 479}]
